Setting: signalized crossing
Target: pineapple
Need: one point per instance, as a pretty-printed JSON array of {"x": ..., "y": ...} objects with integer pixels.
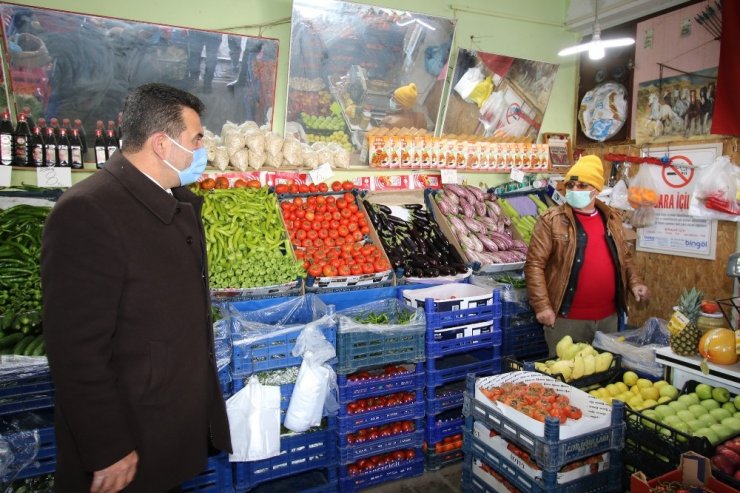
[{"x": 685, "y": 342}]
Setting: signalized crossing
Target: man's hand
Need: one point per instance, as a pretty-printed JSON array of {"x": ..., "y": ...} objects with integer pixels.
[
  {"x": 546, "y": 317},
  {"x": 641, "y": 292},
  {"x": 115, "y": 477}
]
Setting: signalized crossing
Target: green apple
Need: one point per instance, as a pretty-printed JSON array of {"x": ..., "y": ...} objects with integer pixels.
[
  {"x": 708, "y": 433},
  {"x": 722, "y": 431},
  {"x": 677, "y": 406},
  {"x": 710, "y": 404},
  {"x": 688, "y": 399},
  {"x": 672, "y": 420},
  {"x": 720, "y": 394},
  {"x": 736, "y": 401},
  {"x": 707, "y": 420},
  {"x": 695, "y": 425},
  {"x": 704, "y": 391},
  {"x": 733, "y": 423},
  {"x": 663, "y": 411},
  {"x": 669, "y": 391},
  {"x": 686, "y": 415},
  {"x": 719, "y": 414},
  {"x": 698, "y": 410},
  {"x": 683, "y": 428},
  {"x": 729, "y": 406},
  {"x": 650, "y": 413}
]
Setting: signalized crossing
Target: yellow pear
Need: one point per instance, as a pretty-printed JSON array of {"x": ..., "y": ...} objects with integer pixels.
[
  {"x": 562, "y": 345},
  {"x": 589, "y": 364},
  {"x": 603, "y": 361},
  {"x": 578, "y": 368}
]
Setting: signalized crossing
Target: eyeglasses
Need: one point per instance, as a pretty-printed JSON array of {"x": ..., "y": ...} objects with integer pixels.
[{"x": 570, "y": 185}]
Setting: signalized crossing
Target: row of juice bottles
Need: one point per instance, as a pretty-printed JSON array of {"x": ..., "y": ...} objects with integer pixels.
[{"x": 34, "y": 144}]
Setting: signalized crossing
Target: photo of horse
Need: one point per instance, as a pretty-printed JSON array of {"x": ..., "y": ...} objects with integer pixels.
[{"x": 676, "y": 108}]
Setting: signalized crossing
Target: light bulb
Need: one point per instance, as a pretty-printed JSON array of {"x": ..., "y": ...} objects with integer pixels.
[{"x": 596, "y": 52}]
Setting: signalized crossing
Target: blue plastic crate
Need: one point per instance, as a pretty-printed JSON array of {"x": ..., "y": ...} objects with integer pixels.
[
  {"x": 350, "y": 390},
  {"x": 298, "y": 453},
  {"x": 515, "y": 308},
  {"x": 356, "y": 451},
  {"x": 46, "y": 459},
  {"x": 595, "y": 482},
  {"x": 271, "y": 353},
  {"x": 459, "y": 317},
  {"x": 324, "y": 480},
  {"x": 509, "y": 322},
  {"x": 481, "y": 331},
  {"x": 390, "y": 472},
  {"x": 356, "y": 350},
  {"x": 434, "y": 461},
  {"x": 457, "y": 366},
  {"x": 27, "y": 393},
  {"x": 216, "y": 478},
  {"x": 286, "y": 390},
  {"x": 225, "y": 382},
  {"x": 524, "y": 341},
  {"x": 445, "y": 397},
  {"x": 441, "y": 426},
  {"x": 349, "y": 423},
  {"x": 549, "y": 452}
]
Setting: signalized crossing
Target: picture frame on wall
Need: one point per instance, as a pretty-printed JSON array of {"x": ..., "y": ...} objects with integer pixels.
[{"x": 559, "y": 149}]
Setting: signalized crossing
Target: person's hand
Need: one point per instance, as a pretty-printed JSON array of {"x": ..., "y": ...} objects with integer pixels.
[
  {"x": 115, "y": 477},
  {"x": 546, "y": 317},
  {"x": 641, "y": 292}
]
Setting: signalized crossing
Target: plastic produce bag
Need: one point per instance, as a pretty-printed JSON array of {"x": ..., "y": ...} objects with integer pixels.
[
  {"x": 481, "y": 92},
  {"x": 638, "y": 346},
  {"x": 254, "y": 421},
  {"x": 642, "y": 195},
  {"x": 716, "y": 193},
  {"x": 19, "y": 444},
  {"x": 389, "y": 316},
  {"x": 468, "y": 81},
  {"x": 619, "y": 197},
  {"x": 315, "y": 392}
]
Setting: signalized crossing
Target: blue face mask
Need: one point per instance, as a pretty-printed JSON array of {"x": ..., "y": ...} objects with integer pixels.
[
  {"x": 393, "y": 105},
  {"x": 195, "y": 169},
  {"x": 578, "y": 199}
]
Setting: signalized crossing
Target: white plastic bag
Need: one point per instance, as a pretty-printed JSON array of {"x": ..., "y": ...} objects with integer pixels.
[
  {"x": 716, "y": 193},
  {"x": 315, "y": 391},
  {"x": 254, "y": 420},
  {"x": 468, "y": 81}
]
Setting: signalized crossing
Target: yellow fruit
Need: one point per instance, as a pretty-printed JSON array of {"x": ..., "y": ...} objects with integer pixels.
[
  {"x": 622, "y": 386},
  {"x": 635, "y": 401},
  {"x": 660, "y": 383},
  {"x": 630, "y": 378},
  {"x": 668, "y": 391},
  {"x": 663, "y": 398},
  {"x": 612, "y": 389},
  {"x": 650, "y": 393},
  {"x": 649, "y": 403},
  {"x": 644, "y": 383}
]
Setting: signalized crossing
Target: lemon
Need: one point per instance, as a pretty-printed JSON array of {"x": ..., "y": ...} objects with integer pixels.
[
  {"x": 650, "y": 393},
  {"x": 643, "y": 383},
  {"x": 630, "y": 378}
]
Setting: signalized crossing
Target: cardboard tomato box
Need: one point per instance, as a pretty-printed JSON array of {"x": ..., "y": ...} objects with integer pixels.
[
  {"x": 273, "y": 178},
  {"x": 385, "y": 183},
  {"x": 596, "y": 413},
  {"x": 422, "y": 181},
  {"x": 695, "y": 471},
  {"x": 501, "y": 445}
]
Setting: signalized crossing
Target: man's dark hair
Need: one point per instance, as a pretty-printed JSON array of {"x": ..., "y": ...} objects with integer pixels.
[{"x": 155, "y": 108}]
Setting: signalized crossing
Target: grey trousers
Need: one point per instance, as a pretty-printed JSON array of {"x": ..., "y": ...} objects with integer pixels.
[{"x": 579, "y": 330}]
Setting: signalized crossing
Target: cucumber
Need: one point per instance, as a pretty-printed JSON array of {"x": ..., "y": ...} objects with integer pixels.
[
  {"x": 10, "y": 339},
  {"x": 23, "y": 344},
  {"x": 40, "y": 350},
  {"x": 37, "y": 341}
]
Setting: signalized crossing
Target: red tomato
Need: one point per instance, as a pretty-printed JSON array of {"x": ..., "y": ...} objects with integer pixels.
[
  {"x": 348, "y": 185},
  {"x": 298, "y": 201},
  {"x": 343, "y": 231},
  {"x": 341, "y": 203},
  {"x": 357, "y": 236},
  {"x": 302, "y": 188},
  {"x": 309, "y": 216},
  {"x": 353, "y": 470},
  {"x": 346, "y": 214},
  {"x": 344, "y": 270},
  {"x": 336, "y": 186},
  {"x": 410, "y": 454},
  {"x": 323, "y": 187},
  {"x": 281, "y": 188},
  {"x": 323, "y": 233},
  {"x": 329, "y": 271},
  {"x": 315, "y": 271},
  {"x": 293, "y": 188},
  {"x": 312, "y": 188},
  {"x": 356, "y": 269}
]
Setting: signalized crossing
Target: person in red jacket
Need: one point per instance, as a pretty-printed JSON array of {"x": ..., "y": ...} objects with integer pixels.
[
  {"x": 127, "y": 313},
  {"x": 579, "y": 267}
]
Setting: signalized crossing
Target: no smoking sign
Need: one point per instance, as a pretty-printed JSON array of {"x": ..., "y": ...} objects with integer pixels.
[{"x": 677, "y": 176}]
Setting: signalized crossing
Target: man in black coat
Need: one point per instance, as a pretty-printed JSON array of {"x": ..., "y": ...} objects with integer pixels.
[{"x": 127, "y": 321}]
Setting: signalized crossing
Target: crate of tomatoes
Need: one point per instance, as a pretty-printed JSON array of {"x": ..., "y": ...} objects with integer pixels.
[{"x": 334, "y": 240}]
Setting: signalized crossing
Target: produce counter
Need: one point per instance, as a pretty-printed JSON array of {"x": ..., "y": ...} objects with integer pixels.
[{"x": 681, "y": 369}]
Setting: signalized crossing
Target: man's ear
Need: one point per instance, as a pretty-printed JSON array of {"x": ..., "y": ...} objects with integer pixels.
[{"x": 158, "y": 144}]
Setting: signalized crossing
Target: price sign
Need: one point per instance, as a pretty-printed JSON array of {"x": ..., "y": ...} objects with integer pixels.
[
  {"x": 517, "y": 175},
  {"x": 54, "y": 177},
  {"x": 5, "y": 175},
  {"x": 321, "y": 174},
  {"x": 400, "y": 212},
  {"x": 449, "y": 176}
]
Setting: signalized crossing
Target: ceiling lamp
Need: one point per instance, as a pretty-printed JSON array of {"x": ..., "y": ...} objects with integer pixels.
[{"x": 596, "y": 48}]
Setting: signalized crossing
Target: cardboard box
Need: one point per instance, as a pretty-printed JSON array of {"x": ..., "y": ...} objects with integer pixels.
[
  {"x": 695, "y": 470},
  {"x": 597, "y": 415}
]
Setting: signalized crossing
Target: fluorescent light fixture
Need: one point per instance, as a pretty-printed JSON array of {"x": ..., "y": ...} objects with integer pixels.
[{"x": 596, "y": 48}]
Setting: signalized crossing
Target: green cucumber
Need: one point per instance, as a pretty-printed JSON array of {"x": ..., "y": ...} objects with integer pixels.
[
  {"x": 10, "y": 339},
  {"x": 23, "y": 344},
  {"x": 37, "y": 341},
  {"x": 40, "y": 350}
]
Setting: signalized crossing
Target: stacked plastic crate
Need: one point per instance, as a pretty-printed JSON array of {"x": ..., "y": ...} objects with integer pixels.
[
  {"x": 380, "y": 349},
  {"x": 506, "y": 449},
  {"x": 463, "y": 336},
  {"x": 264, "y": 333},
  {"x": 522, "y": 335}
]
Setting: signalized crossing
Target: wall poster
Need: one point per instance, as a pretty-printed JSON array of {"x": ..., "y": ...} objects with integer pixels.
[{"x": 674, "y": 231}]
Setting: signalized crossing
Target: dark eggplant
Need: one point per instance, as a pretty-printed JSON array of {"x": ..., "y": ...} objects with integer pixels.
[{"x": 414, "y": 207}]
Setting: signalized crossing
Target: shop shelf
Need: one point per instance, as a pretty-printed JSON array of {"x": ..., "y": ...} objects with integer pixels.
[
  {"x": 457, "y": 366},
  {"x": 476, "y": 332},
  {"x": 548, "y": 451},
  {"x": 315, "y": 481},
  {"x": 350, "y": 390},
  {"x": 354, "y": 452},
  {"x": 356, "y": 350},
  {"x": 523, "y": 341},
  {"x": 298, "y": 453},
  {"x": 606, "y": 480},
  {"x": 349, "y": 423},
  {"x": 390, "y": 472},
  {"x": 512, "y": 364},
  {"x": 445, "y": 397},
  {"x": 216, "y": 478}
]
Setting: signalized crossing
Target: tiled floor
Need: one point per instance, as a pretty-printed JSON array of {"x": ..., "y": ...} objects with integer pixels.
[{"x": 446, "y": 480}]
